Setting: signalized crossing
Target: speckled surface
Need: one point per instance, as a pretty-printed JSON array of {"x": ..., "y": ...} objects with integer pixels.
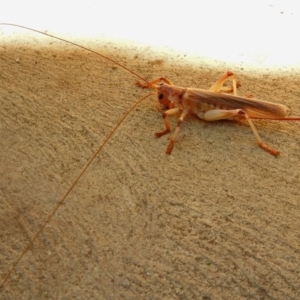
[{"x": 218, "y": 219}]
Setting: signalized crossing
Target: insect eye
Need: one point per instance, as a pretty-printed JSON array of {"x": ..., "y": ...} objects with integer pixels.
[{"x": 160, "y": 96}]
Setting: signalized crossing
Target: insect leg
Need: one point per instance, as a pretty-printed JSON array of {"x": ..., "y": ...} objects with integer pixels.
[
  {"x": 219, "y": 114},
  {"x": 218, "y": 86},
  {"x": 153, "y": 84},
  {"x": 261, "y": 144},
  {"x": 173, "y": 138},
  {"x": 167, "y": 113}
]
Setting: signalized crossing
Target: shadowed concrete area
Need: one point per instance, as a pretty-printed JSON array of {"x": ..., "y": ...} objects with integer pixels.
[{"x": 218, "y": 219}]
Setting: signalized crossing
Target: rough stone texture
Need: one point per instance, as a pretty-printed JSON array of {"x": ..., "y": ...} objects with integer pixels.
[{"x": 218, "y": 219}]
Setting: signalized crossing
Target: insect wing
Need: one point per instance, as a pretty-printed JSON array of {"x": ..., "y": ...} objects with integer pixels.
[{"x": 254, "y": 107}]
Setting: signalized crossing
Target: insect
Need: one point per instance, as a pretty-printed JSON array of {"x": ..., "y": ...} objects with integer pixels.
[{"x": 216, "y": 103}]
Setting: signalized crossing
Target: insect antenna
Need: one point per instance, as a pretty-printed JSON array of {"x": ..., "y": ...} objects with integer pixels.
[
  {"x": 77, "y": 45},
  {"x": 59, "y": 203}
]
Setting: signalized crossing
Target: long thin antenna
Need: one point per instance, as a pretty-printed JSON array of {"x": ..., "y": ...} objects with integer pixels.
[
  {"x": 77, "y": 45},
  {"x": 59, "y": 203}
]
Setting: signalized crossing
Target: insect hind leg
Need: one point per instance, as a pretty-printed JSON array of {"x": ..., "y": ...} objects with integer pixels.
[
  {"x": 219, "y": 114},
  {"x": 261, "y": 144},
  {"x": 218, "y": 86}
]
